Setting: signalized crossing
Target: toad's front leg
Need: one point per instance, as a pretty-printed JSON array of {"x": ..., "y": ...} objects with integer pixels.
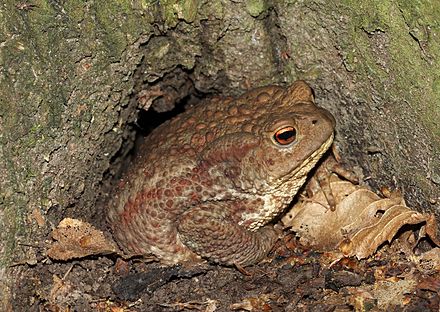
[{"x": 212, "y": 230}]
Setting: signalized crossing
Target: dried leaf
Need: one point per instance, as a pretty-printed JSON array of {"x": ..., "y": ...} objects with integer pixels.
[
  {"x": 392, "y": 293},
  {"x": 78, "y": 239},
  {"x": 361, "y": 222},
  {"x": 430, "y": 283},
  {"x": 38, "y": 217},
  {"x": 260, "y": 303},
  {"x": 431, "y": 230},
  {"x": 208, "y": 305},
  {"x": 365, "y": 241},
  {"x": 430, "y": 260},
  {"x": 313, "y": 221},
  {"x": 60, "y": 288}
]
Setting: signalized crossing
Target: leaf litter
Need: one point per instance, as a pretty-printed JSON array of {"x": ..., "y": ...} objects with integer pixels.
[{"x": 373, "y": 239}]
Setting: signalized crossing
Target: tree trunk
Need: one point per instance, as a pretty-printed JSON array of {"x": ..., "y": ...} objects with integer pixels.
[{"x": 73, "y": 75}]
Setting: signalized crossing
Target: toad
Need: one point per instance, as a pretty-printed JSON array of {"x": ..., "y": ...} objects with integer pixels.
[{"x": 208, "y": 182}]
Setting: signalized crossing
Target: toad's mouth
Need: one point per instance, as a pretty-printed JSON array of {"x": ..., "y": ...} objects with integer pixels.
[{"x": 295, "y": 178}]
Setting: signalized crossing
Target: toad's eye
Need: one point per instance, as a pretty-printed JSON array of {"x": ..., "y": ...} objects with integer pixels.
[{"x": 285, "y": 135}]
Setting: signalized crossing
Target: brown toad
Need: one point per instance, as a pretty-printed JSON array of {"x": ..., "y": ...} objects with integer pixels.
[{"x": 209, "y": 180}]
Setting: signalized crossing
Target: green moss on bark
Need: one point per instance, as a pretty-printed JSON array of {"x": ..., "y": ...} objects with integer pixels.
[
  {"x": 411, "y": 29},
  {"x": 49, "y": 53}
]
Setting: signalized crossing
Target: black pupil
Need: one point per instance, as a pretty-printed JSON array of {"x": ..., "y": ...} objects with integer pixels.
[{"x": 286, "y": 135}]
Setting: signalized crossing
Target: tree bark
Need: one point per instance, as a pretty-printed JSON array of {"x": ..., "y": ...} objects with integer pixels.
[{"x": 73, "y": 75}]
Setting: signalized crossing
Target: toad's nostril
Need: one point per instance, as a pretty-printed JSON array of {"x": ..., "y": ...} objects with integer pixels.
[{"x": 314, "y": 121}]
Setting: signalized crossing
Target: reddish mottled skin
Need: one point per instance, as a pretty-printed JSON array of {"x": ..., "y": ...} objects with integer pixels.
[{"x": 209, "y": 181}]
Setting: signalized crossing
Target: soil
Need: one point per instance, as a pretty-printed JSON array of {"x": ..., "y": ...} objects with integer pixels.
[{"x": 293, "y": 278}]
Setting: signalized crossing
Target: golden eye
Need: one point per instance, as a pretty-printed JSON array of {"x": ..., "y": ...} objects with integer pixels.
[{"x": 285, "y": 135}]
